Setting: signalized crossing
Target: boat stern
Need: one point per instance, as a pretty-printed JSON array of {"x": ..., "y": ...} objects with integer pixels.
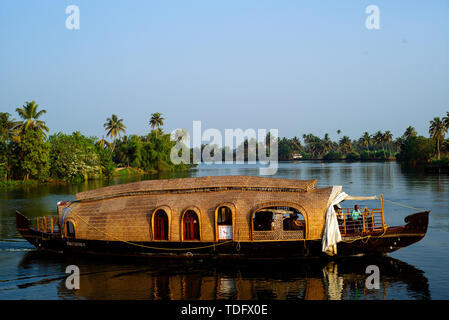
[{"x": 51, "y": 241}]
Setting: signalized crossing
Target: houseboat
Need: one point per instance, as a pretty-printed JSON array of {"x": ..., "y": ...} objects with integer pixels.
[{"x": 219, "y": 217}]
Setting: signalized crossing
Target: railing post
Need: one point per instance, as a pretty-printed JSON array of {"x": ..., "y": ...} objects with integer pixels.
[
  {"x": 363, "y": 221},
  {"x": 344, "y": 221},
  {"x": 382, "y": 208},
  {"x": 37, "y": 220}
]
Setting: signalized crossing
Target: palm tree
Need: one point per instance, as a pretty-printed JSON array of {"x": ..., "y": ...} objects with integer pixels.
[
  {"x": 30, "y": 115},
  {"x": 446, "y": 121},
  {"x": 8, "y": 127},
  {"x": 366, "y": 140},
  {"x": 437, "y": 130},
  {"x": 157, "y": 121},
  {"x": 114, "y": 127},
  {"x": 378, "y": 138},
  {"x": 345, "y": 144},
  {"x": 102, "y": 142},
  {"x": 296, "y": 144},
  {"x": 410, "y": 132},
  {"x": 326, "y": 144},
  {"x": 387, "y": 138}
]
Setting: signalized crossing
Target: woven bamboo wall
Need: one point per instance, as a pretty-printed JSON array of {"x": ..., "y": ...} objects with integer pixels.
[{"x": 129, "y": 217}]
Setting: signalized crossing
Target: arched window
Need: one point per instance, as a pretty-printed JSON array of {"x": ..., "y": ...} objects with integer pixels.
[
  {"x": 191, "y": 226},
  {"x": 70, "y": 229},
  {"x": 278, "y": 223},
  {"x": 160, "y": 227},
  {"x": 224, "y": 223}
]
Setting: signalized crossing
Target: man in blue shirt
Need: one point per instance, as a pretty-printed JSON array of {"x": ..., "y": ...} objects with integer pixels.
[
  {"x": 356, "y": 217},
  {"x": 356, "y": 213}
]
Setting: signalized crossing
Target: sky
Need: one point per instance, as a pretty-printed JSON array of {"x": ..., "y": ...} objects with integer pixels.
[{"x": 296, "y": 66}]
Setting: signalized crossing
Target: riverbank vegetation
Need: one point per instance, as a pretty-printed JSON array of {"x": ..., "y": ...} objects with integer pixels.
[
  {"x": 410, "y": 148},
  {"x": 27, "y": 153}
]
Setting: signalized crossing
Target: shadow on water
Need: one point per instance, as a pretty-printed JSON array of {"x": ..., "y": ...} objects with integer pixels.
[{"x": 342, "y": 279}]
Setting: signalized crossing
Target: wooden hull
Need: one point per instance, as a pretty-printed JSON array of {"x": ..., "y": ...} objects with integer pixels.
[{"x": 391, "y": 240}]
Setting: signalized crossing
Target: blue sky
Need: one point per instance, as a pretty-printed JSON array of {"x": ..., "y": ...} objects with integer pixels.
[{"x": 297, "y": 66}]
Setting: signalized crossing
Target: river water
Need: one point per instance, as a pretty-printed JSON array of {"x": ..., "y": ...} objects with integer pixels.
[{"x": 420, "y": 271}]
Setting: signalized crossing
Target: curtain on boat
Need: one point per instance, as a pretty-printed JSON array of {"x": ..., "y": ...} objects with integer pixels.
[{"x": 331, "y": 234}]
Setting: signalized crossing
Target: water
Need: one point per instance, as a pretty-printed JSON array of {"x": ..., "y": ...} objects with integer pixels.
[{"x": 420, "y": 271}]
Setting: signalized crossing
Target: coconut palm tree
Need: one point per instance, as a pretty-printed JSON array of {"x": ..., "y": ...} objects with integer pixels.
[
  {"x": 410, "y": 132},
  {"x": 446, "y": 121},
  {"x": 437, "y": 130},
  {"x": 8, "y": 127},
  {"x": 326, "y": 144},
  {"x": 296, "y": 144},
  {"x": 345, "y": 144},
  {"x": 387, "y": 137},
  {"x": 366, "y": 140},
  {"x": 378, "y": 138},
  {"x": 30, "y": 117},
  {"x": 102, "y": 142},
  {"x": 156, "y": 121},
  {"x": 114, "y": 127}
]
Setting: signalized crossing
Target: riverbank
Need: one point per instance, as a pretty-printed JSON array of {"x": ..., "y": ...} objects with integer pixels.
[
  {"x": 438, "y": 166},
  {"x": 119, "y": 173}
]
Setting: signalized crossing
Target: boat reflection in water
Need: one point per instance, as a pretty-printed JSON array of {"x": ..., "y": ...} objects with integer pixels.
[{"x": 190, "y": 280}]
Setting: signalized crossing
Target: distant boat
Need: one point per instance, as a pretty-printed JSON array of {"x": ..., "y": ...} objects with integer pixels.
[
  {"x": 296, "y": 156},
  {"x": 221, "y": 217}
]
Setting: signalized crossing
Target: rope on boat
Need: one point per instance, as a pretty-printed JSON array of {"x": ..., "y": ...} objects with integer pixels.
[
  {"x": 148, "y": 247},
  {"x": 403, "y": 205}
]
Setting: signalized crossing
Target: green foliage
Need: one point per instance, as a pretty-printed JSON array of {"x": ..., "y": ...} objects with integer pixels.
[
  {"x": 75, "y": 157},
  {"x": 33, "y": 156},
  {"x": 352, "y": 156},
  {"x": 333, "y": 155},
  {"x": 7, "y": 126},
  {"x": 150, "y": 153},
  {"x": 107, "y": 166},
  {"x": 443, "y": 162},
  {"x": 416, "y": 150},
  {"x": 287, "y": 147}
]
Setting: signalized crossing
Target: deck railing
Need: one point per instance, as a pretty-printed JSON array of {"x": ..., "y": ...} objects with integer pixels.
[
  {"x": 47, "y": 224},
  {"x": 369, "y": 221}
]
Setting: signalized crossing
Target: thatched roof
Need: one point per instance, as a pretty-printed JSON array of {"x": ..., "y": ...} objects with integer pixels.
[{"x": 200, "y": 184}]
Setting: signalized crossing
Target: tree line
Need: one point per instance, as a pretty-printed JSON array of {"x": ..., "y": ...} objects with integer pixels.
[
  {"x": 409, "y": 148},
  {"x": 26, "y": 152}
]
